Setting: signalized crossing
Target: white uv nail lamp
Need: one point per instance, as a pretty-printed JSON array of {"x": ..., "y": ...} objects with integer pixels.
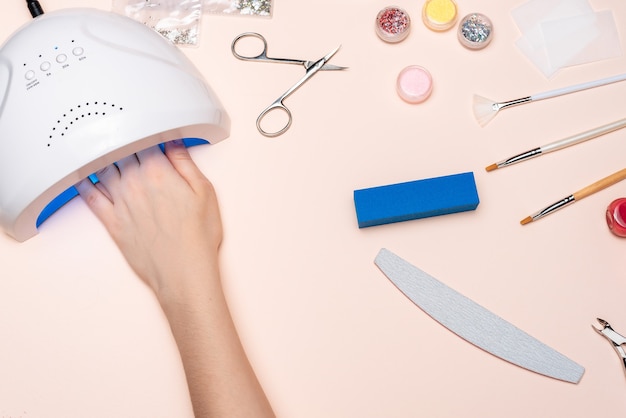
[{"x": 81, "y": 89}]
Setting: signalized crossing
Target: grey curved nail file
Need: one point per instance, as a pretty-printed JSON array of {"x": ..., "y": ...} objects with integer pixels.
[{"x": 474, "y": 323}]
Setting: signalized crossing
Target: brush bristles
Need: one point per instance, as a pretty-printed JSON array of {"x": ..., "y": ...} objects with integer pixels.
[
  {"x": 484, "y": 110},
  {"x": 491, "y": 167},
  {"x": 526, "y": 220}
]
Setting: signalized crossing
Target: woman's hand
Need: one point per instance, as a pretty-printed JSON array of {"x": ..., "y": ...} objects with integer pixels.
[{"x": 161, "y": 211}]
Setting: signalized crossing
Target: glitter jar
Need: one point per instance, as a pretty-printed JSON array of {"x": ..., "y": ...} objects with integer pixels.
[
  {"x": 393, "y": 24},
  {"x": 439, "y": 15},
  {"x": 475, "y": 31},
  {"x": 414, "y": 84}
]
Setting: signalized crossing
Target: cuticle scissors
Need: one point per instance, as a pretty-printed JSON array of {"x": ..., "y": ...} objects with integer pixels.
[{"x": 311, "y": 67}]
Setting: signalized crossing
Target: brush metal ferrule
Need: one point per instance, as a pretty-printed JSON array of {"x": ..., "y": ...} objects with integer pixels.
[
  {"x": 553, "y": 207},
  {"x": 511, "y": 103},
  {"x": 520, "y": 157}
]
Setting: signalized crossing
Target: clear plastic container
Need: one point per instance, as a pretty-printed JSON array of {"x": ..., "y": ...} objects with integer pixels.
[
  {"x": 475, "y": 31},
  {"x": 439, "y": 15},
  {"x": 393, "y": 24},
  {"x": 414, "y": 84}
]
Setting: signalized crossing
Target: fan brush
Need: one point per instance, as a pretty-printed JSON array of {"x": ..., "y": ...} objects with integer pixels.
[{"x": 485, "y": 109}]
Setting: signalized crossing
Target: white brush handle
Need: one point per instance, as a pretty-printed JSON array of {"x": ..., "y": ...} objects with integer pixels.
[
  {"x": 578, "y": 87},
  {"x": 584, "y": 136}
]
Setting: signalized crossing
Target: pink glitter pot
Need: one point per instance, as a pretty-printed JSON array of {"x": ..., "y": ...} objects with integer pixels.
[
  {"x": 616, "y": 217},
  {"x": 414, "y": 84},
  {"x": 393, "y": 24}
]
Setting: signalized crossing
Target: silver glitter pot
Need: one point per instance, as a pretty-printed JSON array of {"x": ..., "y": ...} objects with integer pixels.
[{"x": 475, "y": 31}]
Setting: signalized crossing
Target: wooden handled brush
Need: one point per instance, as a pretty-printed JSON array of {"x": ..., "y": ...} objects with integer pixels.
[{"x": 581, "y": 194}]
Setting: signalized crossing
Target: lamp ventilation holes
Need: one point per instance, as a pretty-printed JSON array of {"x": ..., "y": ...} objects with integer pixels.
[{"x": 79, "y": 114}]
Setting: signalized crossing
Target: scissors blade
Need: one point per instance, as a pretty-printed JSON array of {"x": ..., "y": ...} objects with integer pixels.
[
  {"x": 328, "y": 56},
  {"x": 306, "y": 64},
  {"x": 326, "y": 67},
  {"x": 321, "y": 63}
]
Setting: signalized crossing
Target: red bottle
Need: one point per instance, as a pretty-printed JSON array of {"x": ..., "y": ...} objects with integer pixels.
[{"x": 616, "y": 217}]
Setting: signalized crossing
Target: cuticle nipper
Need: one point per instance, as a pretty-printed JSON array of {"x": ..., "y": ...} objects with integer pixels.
[{"x": 618, "y": 341}]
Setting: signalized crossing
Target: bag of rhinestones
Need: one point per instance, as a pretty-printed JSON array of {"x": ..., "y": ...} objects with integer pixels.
[
  {"x": 176, "y": 20},
  {"x": 256, "y": 8}
]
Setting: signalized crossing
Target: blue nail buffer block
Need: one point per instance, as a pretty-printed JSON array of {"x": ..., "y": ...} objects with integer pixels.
[{"x": 415, "y": 199}]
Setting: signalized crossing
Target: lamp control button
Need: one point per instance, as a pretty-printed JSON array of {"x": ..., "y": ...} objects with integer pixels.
[
  {"x": 45, "y": 66},
  {"x": 78, "y": 51},
  {"x": 30, "y": 74},
  {"x": 61, "y": 58}
]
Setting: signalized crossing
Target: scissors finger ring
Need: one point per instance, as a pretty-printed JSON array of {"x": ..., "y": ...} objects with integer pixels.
[
  {"x": 275, "y": 107},
  {"x": 261, "y": 56}
]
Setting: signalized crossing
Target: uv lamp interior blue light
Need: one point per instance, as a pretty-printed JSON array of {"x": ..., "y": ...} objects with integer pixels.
[
  {"x": 81, "y": 89},
  {"x": 59, "y": 201}
]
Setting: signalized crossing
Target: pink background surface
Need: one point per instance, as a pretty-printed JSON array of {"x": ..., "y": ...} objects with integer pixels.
[{"x": 328, "y": 334}]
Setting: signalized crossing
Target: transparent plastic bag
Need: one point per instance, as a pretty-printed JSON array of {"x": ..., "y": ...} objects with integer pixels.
[
  {"x": 177, "y": 20},
  {"x": 257, "y": 8}
]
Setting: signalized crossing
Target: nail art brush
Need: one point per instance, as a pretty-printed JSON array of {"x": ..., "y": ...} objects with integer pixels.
[
  {"x": 560, "y": 144},
  {"x": 486, "y": 109},
  {"x": 581, "y": 194}
]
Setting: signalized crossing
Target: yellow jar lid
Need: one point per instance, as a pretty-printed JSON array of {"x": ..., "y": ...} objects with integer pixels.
[{"x": 439, "y": 14}]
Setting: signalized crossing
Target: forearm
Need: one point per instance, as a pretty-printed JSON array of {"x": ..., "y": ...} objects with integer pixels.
[
  {"x": 221, "y": 381},
  {"x": 163, "y": 214}
]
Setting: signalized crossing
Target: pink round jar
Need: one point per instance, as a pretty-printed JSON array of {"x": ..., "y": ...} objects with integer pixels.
[{"x": 414, "y": 84}]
